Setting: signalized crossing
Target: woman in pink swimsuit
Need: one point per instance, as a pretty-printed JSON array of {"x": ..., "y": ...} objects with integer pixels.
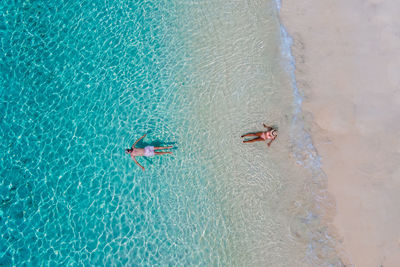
[
  {"x": 270, "y": 134},
  {"x": 148, "y": 151}
]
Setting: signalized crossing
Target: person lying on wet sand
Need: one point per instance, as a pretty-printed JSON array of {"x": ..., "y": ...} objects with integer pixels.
[{"x": 270, "y": 134}]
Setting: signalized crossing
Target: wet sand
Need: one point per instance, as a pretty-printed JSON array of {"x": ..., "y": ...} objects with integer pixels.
[{"x": 348, "y": 67}]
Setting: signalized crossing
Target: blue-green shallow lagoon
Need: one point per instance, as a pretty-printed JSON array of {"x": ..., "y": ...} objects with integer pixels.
[{"x": 81, "y": 81}]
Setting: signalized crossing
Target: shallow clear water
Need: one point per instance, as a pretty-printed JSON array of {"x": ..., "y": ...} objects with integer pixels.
[{"x": 80, "y": 82}]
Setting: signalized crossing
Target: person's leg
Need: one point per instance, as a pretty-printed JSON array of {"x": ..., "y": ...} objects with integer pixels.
[
  {"x": 251, "y": 134},
  {"x": 254, "y": 140},
  {"x": 162, "y": 147},
  {"x": 162, "y": 153}
]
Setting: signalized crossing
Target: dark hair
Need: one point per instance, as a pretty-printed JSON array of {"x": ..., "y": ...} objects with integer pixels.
[{"x": 128, "y": 150}]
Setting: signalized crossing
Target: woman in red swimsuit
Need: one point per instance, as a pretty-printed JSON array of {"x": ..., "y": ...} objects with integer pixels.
[{"x": 270, "y": 134}]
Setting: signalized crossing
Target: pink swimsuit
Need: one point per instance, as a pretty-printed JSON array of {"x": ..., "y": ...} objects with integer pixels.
[{"x": 266, "y": 135}]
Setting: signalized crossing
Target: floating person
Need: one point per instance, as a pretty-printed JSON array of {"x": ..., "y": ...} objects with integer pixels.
[
  {"x": 270, "y": 134},
  {"x": 148, "y": 151}
]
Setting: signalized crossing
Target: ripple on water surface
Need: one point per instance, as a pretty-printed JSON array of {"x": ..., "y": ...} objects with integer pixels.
[{"x": 82, "y": 81}]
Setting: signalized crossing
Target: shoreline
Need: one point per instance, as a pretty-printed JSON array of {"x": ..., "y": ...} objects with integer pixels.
[
  {"x": 265, "y": 193},
  {"x": 345, "y": 66}
]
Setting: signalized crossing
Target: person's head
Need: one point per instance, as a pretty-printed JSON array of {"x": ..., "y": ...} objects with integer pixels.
[
  {"x": 274, "y": 133},
  {"x": 128, "y": 150}
]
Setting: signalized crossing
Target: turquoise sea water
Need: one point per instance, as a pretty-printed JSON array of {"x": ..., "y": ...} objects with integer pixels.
[{"x": 81, "y": 81}]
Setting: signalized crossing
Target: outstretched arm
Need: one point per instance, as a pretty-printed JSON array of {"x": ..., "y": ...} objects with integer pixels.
[
  {"x": 137, "y": 163},
  {"x": 137, "y": 141},
  {"x": 268, "y": 127},
  {"x": 269, "y": 143}
]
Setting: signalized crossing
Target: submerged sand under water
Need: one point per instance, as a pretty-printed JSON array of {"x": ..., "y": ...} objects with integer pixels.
[
  {"x": 196, "y": 75},
  {"x": 272, "y": 198}
]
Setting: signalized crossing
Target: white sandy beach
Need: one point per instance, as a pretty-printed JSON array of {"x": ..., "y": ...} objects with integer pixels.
[{"x": 347, "y": 56}]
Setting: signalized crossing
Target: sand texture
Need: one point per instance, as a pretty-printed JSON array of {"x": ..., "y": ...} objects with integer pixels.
[{"x": 347, "y": 56}]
